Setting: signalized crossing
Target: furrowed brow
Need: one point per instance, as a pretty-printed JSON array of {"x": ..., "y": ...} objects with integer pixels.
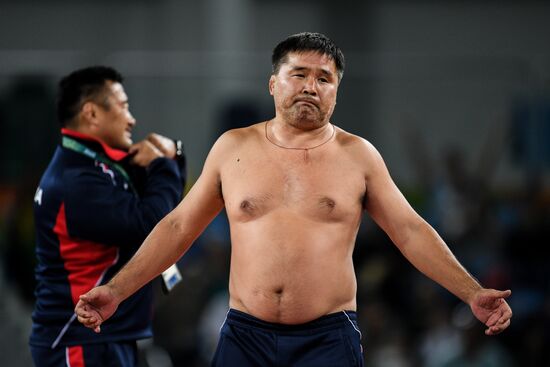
[
  {"x": 299, "y": 68},
  {"x": 327, "y": 72},
  {"x": 305, "y": 68}
]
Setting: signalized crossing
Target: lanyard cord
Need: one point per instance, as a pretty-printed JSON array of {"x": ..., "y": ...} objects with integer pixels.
[{"x": 84, "y": 150}]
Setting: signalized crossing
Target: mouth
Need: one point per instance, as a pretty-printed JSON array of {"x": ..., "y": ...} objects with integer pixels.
[{"x": 306, "y": 101}]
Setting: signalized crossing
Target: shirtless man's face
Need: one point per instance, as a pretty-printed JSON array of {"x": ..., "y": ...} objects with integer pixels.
[{"x": 305, "y": 89}]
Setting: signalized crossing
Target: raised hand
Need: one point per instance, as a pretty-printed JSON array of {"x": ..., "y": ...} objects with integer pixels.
[
  {"x": 144, "y": 153},
  {"x": 489, "y": 306},
  {"x": 164, "y": 144}
]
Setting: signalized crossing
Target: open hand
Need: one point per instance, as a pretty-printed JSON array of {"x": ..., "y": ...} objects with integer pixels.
[{"x": 489, "y": 306}]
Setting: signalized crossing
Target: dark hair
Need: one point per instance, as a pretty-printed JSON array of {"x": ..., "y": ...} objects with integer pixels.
[
  {"x": 308, "y": 41},
  {"x": 81, "y": 86}
]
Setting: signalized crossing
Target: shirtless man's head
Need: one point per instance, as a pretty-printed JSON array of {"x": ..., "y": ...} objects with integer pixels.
[
  {"x": 307, "y": 69},
  {"x": 307, "y": 42}
]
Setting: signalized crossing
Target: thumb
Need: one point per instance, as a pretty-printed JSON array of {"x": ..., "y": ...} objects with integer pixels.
[
  {"x": 505, "y": 294},
  {"x": 88, "y": 297},
  {"x": 500, "y": 294}
]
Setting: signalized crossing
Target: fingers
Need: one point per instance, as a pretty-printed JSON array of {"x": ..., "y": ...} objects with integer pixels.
[
  {"x": 134, "y": 148},
  {"x": 165, "y": 145},
  {"x": 88, "y": 320},
  {"x": 144, "y": 153},
  {"x": 494, "y": 319},
  {"x": 156, "y": 141},
  {"x": 506, "y": 315},
  {"x": 86, "y": 315},
  {"x": 500, "y": 315},
  {"x": 499, "y": 320},
  {"x": 91, "y": 322},
  {"x": 497, "y": 329}
]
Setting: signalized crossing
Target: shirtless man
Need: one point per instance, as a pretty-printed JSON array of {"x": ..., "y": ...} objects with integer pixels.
[{"x": 295, "y": 188}]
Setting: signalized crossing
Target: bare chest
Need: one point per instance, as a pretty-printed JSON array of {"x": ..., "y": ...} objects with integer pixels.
[{"x": 324, "y": 187}]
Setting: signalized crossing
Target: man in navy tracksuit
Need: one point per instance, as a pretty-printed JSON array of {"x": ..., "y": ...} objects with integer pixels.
[{"x": 99, "y": 198}]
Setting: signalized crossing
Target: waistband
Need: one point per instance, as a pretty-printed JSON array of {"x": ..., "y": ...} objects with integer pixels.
[{"x": 330, "y": 321}]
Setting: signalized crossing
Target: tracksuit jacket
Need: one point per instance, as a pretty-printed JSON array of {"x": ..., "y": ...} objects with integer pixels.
[{"x": 92, "y": 211}]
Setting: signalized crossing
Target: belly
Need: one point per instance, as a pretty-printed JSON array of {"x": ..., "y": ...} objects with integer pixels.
[{"x": 290, "y": 270}]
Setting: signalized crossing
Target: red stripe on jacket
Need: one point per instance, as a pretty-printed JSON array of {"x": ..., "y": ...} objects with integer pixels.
[
  {"x": 75, "y": 356},
  {"x": 85, "y": 261}
]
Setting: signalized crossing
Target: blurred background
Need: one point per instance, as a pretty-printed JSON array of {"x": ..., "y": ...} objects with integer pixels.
[{"x": 454, "y": 94}]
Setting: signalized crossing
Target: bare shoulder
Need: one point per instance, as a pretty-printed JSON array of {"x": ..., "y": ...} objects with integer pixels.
[
  {"x": 244, "y": 135},
  {"x": 233, "y": 139},
  {"x": 230, "y": 143},
  {"x": 356, "y": 146}
]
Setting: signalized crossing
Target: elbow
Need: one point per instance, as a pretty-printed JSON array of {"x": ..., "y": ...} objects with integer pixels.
[
  {"x": 409, "y": 232},
  {"x": 171, "y": 223}
]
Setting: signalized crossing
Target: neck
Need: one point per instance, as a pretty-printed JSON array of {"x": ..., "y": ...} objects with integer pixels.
[
  {"x": 113, "y": 153},
  {"x": 82, "y": 127},
  {"x": 291, "y": 137}
]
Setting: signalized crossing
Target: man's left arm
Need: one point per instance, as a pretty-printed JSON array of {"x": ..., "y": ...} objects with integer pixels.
[{"x": 425, "y": 249}]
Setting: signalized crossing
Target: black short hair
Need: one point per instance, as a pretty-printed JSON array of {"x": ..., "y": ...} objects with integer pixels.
[
  {"x": 81, "y": 86},
  {"x": 308, "y": 41}
]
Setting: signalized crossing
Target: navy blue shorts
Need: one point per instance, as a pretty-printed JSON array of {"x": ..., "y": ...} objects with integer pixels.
[
  {"x": 121, "y": 354},
  {"x": 332, "y": 340}
]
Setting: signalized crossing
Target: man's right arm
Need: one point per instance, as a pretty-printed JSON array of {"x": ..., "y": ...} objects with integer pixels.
[
  {"x": 168, "y": 241},
  {"x": 125, "y": 219}
]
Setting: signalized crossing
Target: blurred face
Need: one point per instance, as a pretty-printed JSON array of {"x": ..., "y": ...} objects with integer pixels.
[
  {"x": 114, "y": 120},
  {"x": 304, "y": 89}
]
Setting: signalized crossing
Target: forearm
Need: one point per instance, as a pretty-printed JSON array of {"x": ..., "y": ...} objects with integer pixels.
[
  {"x": 163, "y": 247},
  {"x": 425, "y": 249}
]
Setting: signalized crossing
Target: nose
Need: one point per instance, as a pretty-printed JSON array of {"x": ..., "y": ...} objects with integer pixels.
[
  {"x": 131, "y": 119},
  {"x": 309, "y": 86}
]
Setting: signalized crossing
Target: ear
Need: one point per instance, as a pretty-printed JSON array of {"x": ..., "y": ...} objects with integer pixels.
[
  {"x": 88, "y": 113},
  {"x": 87, "y": 110},
  {"x": 272, "y": 81}
]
